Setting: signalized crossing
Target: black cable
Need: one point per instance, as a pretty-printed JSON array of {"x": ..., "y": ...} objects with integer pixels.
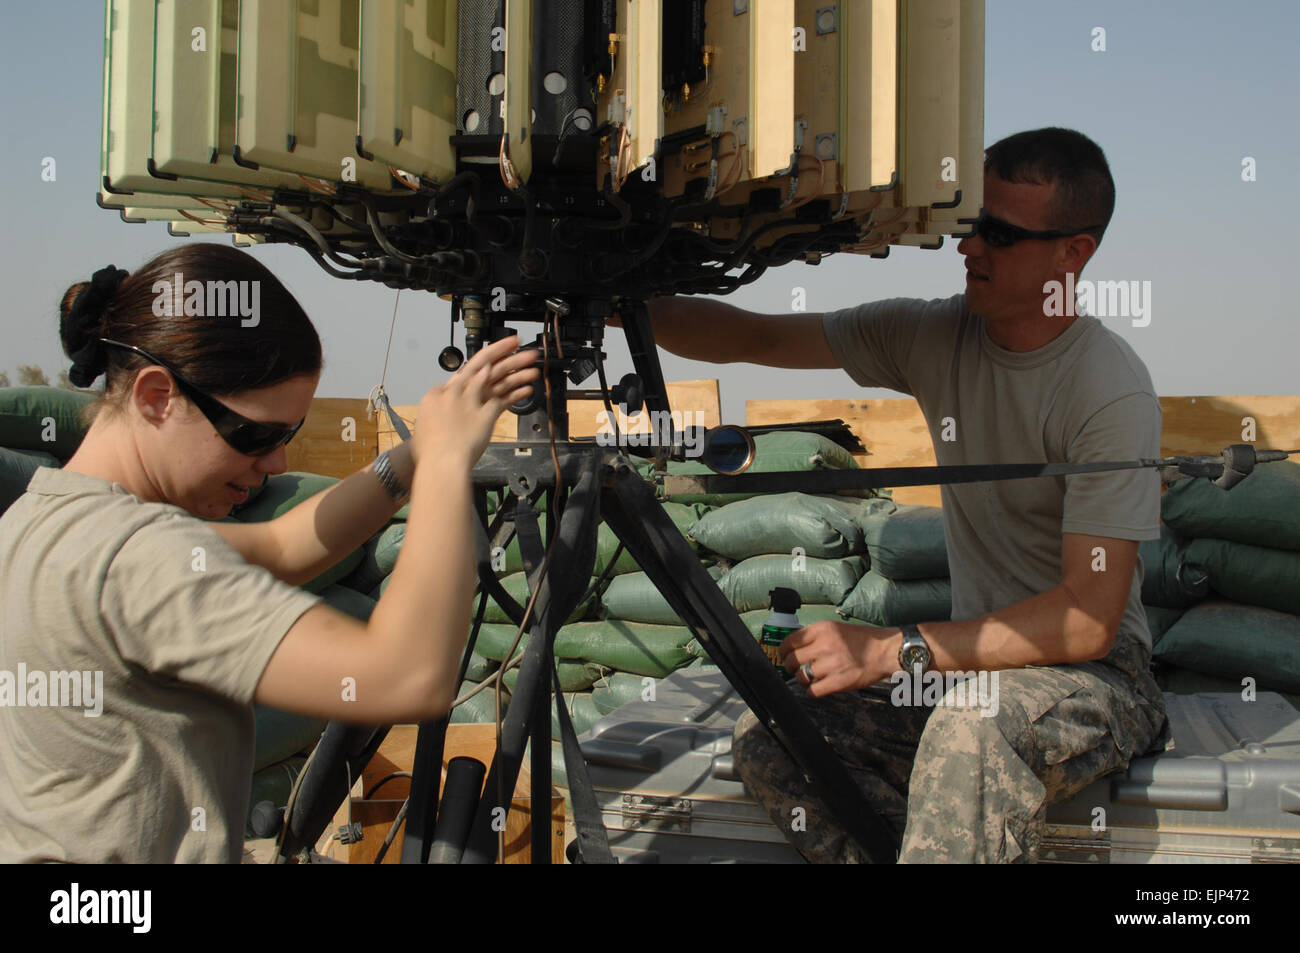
[{"x": 384, "y": 780}]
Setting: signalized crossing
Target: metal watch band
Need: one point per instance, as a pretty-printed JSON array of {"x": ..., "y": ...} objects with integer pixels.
[
  {"x": 388, "y": 478},
  {"x": 914, "y": 648}
]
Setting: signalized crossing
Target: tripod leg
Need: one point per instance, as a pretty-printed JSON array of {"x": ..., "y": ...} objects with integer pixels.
[
  {"x": 325, "y": 784},
  {"x": 426, "y": 773},
  {"x": 558, "y": 591},
  {"x": 657, "y": 545}
]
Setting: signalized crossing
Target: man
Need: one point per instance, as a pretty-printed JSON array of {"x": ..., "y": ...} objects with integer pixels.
[{"x": 1045, "y": 574}]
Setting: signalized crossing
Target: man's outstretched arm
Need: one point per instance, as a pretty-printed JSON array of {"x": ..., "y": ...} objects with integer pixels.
[
  {"x": 1075, "y": 621},
  {"x": 703, "y": 329}
]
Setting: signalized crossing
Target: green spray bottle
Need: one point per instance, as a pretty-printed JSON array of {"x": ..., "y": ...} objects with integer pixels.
[{"x": 782, "y": 621}]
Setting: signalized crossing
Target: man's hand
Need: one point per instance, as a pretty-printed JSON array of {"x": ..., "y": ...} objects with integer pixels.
[{"x": 843, "y": 657}]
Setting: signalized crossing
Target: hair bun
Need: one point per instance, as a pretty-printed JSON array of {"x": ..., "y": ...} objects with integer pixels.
[{"x": 79, "y": 328}]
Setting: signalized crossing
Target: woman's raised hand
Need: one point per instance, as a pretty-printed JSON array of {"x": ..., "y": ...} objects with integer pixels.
[{"x": 456, "y": 417}]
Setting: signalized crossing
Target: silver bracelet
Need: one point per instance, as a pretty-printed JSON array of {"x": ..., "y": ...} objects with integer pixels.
[{"x": 387, "y": 477}]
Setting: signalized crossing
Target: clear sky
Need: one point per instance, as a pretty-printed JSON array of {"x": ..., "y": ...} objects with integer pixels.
[{"x": 1183, "y": 92}]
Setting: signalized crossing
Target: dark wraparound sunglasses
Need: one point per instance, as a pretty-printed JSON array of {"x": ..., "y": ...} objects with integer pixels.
[
  {"x": 247, "y": 436},
  {"x": 1002, "y": 234}
]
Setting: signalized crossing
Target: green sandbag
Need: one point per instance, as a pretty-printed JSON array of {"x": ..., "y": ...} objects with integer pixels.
[
  {"x": 825, "y": 527},
  {"x": 574, "y": 676},
  {"x": 1261, "y": 510},
  {"x": 1167, "y": 580},
  {"x": 42, "y": 418},
  {"x": 618, "y": 688},
  {"x": 882, "y": 601},
  {"x": 635, "y": 647},
  {"x": 517, "y": 587},
  {"x": 272, "y": 783},
  {"x": 282, "y": 493},
  {"x": 378, "y": 557},
  {"x": 494, "y": 640},
  {"x": 17, "y": 467},
  {"x": 1254, "y": 575},
  {"x": 781, "y": 451},
  {"x": 279, "y": 734},
  {"x": 582, "y": 713},
  {"x": 818, "y": 581},
  {"x": 683, "y": 516},
  {"x": 632, "y": 597},
  {"x": 906, "y": 542},
  {"x": 1231, "y": 640},
  {"x": 1183, "y": 681},
  {"x": 481, "y": 709},
  {"x": 480, "y": 667},
  {"x": 1159, "y": 620},
  {"x": 356, "y": 604}
]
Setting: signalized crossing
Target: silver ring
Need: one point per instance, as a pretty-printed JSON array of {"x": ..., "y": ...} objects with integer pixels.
[{"x": 806, "y": 668}]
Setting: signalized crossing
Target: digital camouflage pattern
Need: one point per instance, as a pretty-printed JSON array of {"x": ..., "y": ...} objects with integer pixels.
[{"x": 953, "y": 785}]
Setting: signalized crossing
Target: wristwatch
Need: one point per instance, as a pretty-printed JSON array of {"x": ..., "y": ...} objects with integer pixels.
[
  {"x": 387, "y": 477},
  {"x": 914, "y": 651}
]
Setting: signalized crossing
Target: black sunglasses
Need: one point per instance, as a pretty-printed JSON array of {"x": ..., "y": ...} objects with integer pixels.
[
  {"x": 1002, "y": 234},
  {"x": 249, "y": 437}
]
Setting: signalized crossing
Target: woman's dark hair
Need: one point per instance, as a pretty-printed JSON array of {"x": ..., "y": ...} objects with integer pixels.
[
  {"x": 1069, "y": 160},
  {"x": 213, "y": 349}
]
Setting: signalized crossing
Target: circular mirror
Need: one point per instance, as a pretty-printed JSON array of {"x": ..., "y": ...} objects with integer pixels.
[{"x": 728, "y": 450}]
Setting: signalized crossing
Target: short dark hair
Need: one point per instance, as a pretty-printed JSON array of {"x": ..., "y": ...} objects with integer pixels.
[
  {"x": 221, "y": 358},
  {"x": 1068, "y": 160}
]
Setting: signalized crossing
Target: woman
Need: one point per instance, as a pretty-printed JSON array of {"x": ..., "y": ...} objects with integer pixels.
[{"x": 111, "y": 572}]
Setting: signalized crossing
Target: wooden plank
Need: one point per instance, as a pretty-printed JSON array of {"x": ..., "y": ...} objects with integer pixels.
[
  {"x": 397, "y": 753},
  {"x": 895, "y": 433},
  {"x": 698, "y": 398},
  {"x": 336, "y": 439}
]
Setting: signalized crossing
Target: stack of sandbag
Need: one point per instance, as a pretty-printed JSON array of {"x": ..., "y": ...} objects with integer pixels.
[
  {"x": 1245, "y": 544},
  {"x": 908, "y": 576},
  {"x": 39, "y": 427}
]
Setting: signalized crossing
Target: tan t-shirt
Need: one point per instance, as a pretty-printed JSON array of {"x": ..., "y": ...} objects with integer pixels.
[
  {"x": 179, "y": 628},
  {"x": 1083, "y": 397}
]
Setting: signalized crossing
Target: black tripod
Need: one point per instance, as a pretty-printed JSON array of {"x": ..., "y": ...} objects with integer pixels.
[{"x": 595, "y": 483}]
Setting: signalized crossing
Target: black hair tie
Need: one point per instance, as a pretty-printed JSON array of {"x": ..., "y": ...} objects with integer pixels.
[{"x": 88, "y": 360}]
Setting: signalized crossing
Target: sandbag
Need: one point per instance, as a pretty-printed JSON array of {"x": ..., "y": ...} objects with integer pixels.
[
  {"x": 44, "y": 418},
  {"x": 906, "y": 541},
  {"x": 1254, "y": 575},
  {"x": 279, "y": 734},
  {"x": 480, "y": 667},
  {"x": 481, "y": 709},
  {"x": 825, "y": 527},
  {"x": 818, "y": 581},
  {"x": 574, "y": 676},
  {"x": 618, "y": 688},
  {"x": 885, "y": 602},
  {"x": 1261, "y": 510},
  {"x": 582, "y": 712},
  {"x": 1159, "y": 620},
  {"x": 378, "y": 558},
  {"x": 1167, "y": 580},
  {"x": 517, "y": 586},
  {"x": 282, "y": 493},
  {"x": 807, "y": 616},
  {"x": 632, "y": 597},
  {"x": 773, "y": 452},
  {"x": 683, "y": 516},
  {"x": 1183, "y": 681},
  {"x": 654, "y": 650},
  {"x": 1231, "y": 640},
  {"x": 17, "y": 467},
  {"x": 356, "y": 604}
]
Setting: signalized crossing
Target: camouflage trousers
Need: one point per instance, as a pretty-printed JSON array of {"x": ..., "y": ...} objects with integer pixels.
[{"x": 952, "y": 784}]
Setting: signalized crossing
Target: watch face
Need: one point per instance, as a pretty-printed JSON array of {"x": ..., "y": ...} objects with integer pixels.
[{"x": 913, "y": 655}]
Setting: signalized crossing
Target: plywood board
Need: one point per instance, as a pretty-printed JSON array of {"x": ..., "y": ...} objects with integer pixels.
[{"x": 336, "y": 439}]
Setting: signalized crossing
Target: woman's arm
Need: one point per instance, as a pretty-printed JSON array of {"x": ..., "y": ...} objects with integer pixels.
[{"x": 313, "y": 536}]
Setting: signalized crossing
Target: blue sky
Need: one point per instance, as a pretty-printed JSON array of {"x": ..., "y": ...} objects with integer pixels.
[{"x": 1182, "y": 93}]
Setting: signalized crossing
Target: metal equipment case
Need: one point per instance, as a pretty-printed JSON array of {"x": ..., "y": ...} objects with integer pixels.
[{"x": 1228, "y": 793}]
